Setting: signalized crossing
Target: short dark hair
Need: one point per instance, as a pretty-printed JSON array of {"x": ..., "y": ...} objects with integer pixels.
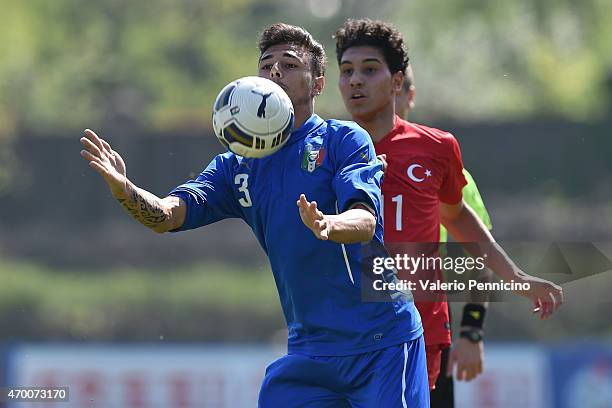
[
  {"x": 281, "y": 33},
  {"x": 376, "y": 34}
]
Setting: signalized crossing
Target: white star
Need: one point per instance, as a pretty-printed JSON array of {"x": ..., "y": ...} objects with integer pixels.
[{"x": 428, "y": 173}]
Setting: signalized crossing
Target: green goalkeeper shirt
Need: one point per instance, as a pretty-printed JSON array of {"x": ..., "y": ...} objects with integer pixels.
[{"x": 472, "y": 197}]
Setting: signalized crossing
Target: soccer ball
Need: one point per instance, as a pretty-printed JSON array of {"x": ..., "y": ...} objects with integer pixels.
[{"x": 252, "y": 117}]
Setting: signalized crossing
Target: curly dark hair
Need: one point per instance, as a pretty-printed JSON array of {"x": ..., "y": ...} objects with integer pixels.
[
  {"x": 281, "y": 33},
  {"x": 377, "y": 34}
]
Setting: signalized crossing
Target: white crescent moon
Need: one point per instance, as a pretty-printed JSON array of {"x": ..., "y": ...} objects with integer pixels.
[{"x": 411, "y": 174}]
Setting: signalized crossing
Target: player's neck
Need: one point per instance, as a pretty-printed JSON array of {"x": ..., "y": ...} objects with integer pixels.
[
  {"x": 379, "y": 125},
  {"x": 302, "y": 113}
]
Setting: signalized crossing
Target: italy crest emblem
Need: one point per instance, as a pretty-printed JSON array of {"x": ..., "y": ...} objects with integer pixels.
[{"x": 313, "y": 157}]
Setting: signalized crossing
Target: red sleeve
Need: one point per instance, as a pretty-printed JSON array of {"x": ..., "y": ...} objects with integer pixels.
[{"x": 450, "y": 191}]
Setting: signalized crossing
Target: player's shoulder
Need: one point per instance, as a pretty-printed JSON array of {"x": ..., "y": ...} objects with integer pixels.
[
  {"x": 440, "y": 141},
  {"x": 468, "y": 176},
  {"x": 228, "y": 161},
  {"x": 339, "y": 128},
  {"x": 343, "y": 126},
  {"x": 426, "y": 131},
  {"x": 227, "y": 158}
]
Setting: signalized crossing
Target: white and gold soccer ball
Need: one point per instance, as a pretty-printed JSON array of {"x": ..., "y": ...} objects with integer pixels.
[{"x": 253, "y": 117}]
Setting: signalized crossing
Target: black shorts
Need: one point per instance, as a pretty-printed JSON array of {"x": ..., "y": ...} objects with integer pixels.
[{"x": 443, "y": 395}]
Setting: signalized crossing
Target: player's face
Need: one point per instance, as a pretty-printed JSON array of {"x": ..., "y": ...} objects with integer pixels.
[
  {"x": 289, "y": 66},
  {"x": 366, "y": 84}
]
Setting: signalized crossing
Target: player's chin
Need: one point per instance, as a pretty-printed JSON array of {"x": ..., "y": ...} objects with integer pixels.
[
  {"x": 361, "y": 113},
  {"x": 357, "y": 104}
]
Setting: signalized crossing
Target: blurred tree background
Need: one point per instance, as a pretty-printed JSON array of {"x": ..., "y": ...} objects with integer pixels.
[
  {"x": 160, "y": 63},
  {"x": 526, "y": 86}
]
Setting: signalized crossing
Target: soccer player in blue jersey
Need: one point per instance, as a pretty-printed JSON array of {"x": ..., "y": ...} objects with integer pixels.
[{"x": 342, "y": 352}]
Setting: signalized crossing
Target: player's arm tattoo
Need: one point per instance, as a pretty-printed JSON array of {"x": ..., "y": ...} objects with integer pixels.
[{"x": 145, "y": 207}]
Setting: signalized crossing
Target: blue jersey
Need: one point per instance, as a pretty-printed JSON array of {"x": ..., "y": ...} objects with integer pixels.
[{"x": 332, "y": 163}]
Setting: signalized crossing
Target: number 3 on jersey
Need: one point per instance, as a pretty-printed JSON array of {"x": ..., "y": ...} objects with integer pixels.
[
  {"x": 242, "y": 180},
  {"x": 398, "y": 211}
]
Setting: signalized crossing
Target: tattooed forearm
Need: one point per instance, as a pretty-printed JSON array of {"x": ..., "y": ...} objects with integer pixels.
[{"x": 144, "y": 207}]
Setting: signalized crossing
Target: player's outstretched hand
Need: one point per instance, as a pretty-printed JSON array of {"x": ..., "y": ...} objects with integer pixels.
[
  {"x": 107, "y": 162},
  {"x": 313, "y": 218},
  {"x": 467, "y": 357},
  {"x": 546, "y": 296}
]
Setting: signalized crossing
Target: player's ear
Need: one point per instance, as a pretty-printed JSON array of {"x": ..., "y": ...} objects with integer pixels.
[
  {"x": 318, "y": 84},
  {"x": 397, "y": 81},
  {"x": 411, "y": 96}
]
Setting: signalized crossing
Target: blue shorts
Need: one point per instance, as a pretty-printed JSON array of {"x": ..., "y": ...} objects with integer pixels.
[{"x": 395, "y": 376}]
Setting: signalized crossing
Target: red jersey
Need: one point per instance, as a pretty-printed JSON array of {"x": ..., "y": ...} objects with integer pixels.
[{"x": 424, "y": 169}]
